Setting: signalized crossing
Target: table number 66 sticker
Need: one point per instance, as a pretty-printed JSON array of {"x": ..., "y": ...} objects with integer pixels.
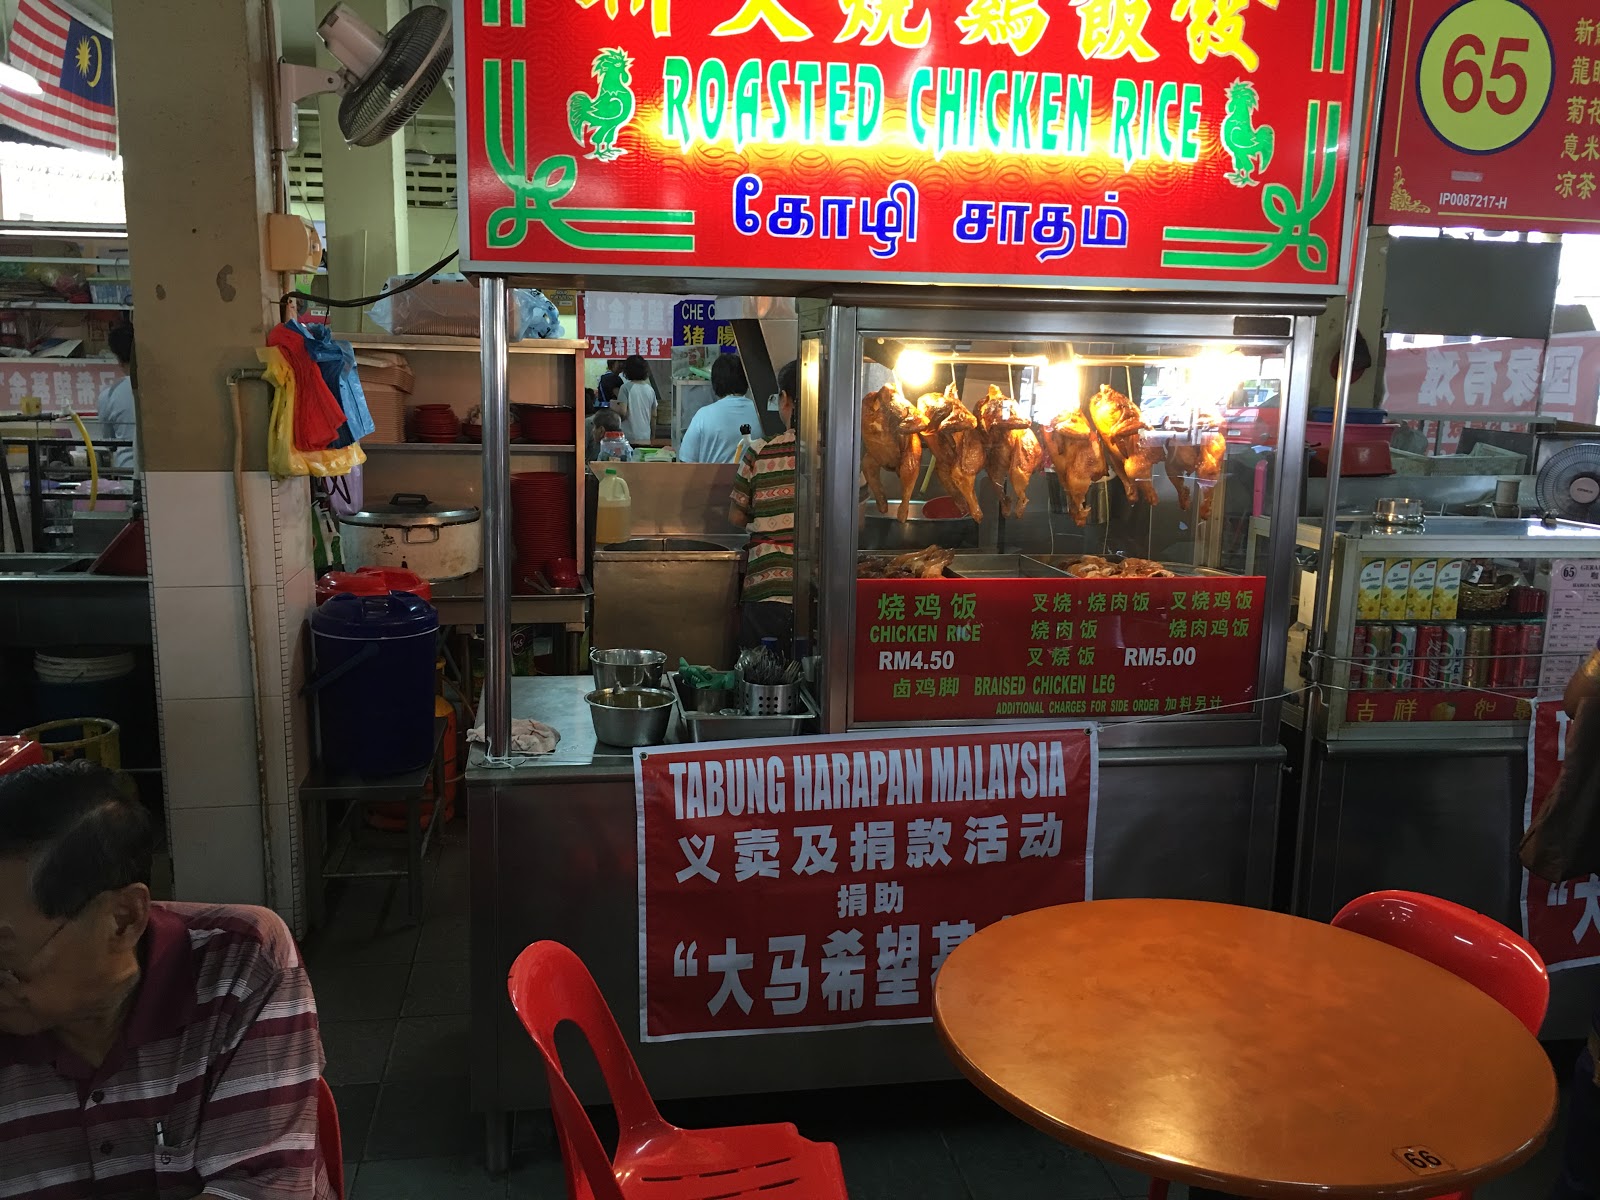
[{"x": 1421, "y": 1160}]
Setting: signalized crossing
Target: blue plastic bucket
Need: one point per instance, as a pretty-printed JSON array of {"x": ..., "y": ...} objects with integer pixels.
[{"x": 374, "y": 676}]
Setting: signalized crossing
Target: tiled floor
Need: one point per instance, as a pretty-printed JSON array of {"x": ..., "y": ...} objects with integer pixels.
[{"x": 394, "y": 1011}]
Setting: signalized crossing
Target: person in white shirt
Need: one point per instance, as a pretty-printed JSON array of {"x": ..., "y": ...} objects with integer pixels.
[
  {"x": 636, "y": 401},
  {"x": 718, "y": 429},
  {"x": 115, "y": 407}
]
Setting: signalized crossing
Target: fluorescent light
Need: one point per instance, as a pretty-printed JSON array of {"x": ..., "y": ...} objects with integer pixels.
[{"x": 14, "y": 80}]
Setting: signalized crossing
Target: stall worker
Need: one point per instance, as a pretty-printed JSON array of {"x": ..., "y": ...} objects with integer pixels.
[
  {"x": 763, "y": 503},
  {"x": 728, "y": 422},
  {"x": 145, "y": 1049}
]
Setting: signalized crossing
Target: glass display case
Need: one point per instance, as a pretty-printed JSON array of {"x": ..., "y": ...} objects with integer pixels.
[{"x": 1048, "y": 513}]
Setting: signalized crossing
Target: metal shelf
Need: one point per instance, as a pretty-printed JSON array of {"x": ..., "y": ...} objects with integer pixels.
[
  {"x": 466, "y": 447},
  {"x": 61, "y": 258},
  {"x": 91, "y": 306}
]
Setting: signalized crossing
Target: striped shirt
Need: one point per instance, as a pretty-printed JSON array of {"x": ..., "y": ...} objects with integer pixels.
[
  {"x": 211, "y": 1086},
  {"x": 763, "y": 490}
]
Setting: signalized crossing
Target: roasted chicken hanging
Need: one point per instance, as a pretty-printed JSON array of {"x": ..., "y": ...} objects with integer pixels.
[
  {"x": 1078, "y": 456},
  {"x": 957, "y": 446},
  {"x": 1011, "y": 449},
  {"x": 1123, "y": 428},
  {"x": 890, "y": 441},
  {"x": 1204, "y": 459}
]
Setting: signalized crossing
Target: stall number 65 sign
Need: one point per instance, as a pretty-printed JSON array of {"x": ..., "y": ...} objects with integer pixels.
[{"x": 1485, "y": 75}]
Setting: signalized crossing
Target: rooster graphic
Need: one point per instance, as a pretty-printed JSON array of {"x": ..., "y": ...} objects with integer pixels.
[
  {"x": 602, "y": 117},
  {"x": 1245, "y": 143}
]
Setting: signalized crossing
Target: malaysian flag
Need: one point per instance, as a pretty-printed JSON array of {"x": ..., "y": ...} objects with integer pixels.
[{"x": 71, "y": 59}]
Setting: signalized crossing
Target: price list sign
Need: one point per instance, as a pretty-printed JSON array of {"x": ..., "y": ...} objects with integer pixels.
[
  {"x": 1573, "y": 626},
  {"x": 954, "y": 649},
  {"x": 1492, "y": 116}
]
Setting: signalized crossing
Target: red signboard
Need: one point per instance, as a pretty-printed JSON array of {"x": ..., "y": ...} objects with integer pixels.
[
  {"x": 1492, "y": 116},
  {"x": 1562, "y": 920},
  {"x": 1523, "y": 377},
  {"x": 819, "y": 882},
  {"x": 1364, "y": 708},
  {"x": 1202, "y": 142},
  {"x": 956, "y": 649}
]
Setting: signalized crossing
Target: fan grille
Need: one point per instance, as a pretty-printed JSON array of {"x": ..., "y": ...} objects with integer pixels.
[
  {"x": 413, "y": 60},
  {"x": 1554, "y": 488}
]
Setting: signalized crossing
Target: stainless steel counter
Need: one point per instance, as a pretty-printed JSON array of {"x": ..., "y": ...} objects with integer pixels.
[
  {"x": 557, "y": 701},
  {"x": 50, "y": 600}
]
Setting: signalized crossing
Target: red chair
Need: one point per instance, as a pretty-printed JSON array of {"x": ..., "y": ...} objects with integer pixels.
[
  {"x": 1468, "y": 944},
  {"x": 655, "y": 1160},
  {"x": 329, "y": 1144}
]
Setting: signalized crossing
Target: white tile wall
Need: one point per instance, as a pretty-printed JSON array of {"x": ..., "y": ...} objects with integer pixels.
[
  {"x": 203, "y": 642},
  {"x": 217, "y": 855},
  {"x": 194, "y": 529},
  {"x": 211, "y": 753}
]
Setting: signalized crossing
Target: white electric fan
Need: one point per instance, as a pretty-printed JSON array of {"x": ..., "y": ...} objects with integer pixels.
[
  {"x": 1569, "y": 484},
  {"x": 384, "y": 77}
]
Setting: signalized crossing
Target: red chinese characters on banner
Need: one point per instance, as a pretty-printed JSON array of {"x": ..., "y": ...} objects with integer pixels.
[
  {"x": 1364, "y": 708},
  {"x": 1562, "y": 920},
  {"x": 948, "y": 649},
  {"x": 601, "y": 346},
  {"x": 988, "y": 141},
  {"x": 1492, "y": 116},
  {"x": 820, "y": 882},
  {"x": 1524, "y": 377}
]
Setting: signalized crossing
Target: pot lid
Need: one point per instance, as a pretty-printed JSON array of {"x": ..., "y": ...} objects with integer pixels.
[{"x": 411, "y": 509}]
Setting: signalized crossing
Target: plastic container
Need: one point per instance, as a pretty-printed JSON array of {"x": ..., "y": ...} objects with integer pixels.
[
  {"x": 16, "y": 753},
  {"x": 613, "y": 520},
  {"x": 372, "y": 581},
  {"x": 91, "y": 738},
  {"x": 1366, "y": 448},
  {"x": 373, "y": 682}
]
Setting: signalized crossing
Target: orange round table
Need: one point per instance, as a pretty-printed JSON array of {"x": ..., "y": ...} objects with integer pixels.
[{"x": 1244, "y": 1050}]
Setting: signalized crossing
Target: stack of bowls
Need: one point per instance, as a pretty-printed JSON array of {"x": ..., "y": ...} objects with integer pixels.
[
  {"x": 630, "y": 716},
  {"x": 542, "y": 523},
  {"x": 627, "y": 668},
  {"x": 435, "y": 423},
  {"x": 545, "y": 425},
  {"x": 473, "y": 432}
]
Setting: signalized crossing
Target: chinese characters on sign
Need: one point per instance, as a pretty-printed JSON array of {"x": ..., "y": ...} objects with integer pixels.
[
  {"x": 694, "y": 323},
  {"x": 1202, "y": 141},
  {"x": 1524, "y": 377},
  {"x": 1562, "y": 920},
  {"x": 946, "y": 649},
  {"x": 63, "y": 385},
  {"x": 823, "y": 881},
  {"x": 1492, "y": 117}
]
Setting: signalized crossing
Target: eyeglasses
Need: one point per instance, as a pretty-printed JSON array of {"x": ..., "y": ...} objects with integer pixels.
[{"x": 17, "y": 976}]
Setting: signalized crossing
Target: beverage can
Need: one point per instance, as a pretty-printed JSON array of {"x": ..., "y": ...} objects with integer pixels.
[
  {"x": 1532, "y": 650},
  {"x": 1363, "y": 658},
  {"x": 1402, "y": 657},
  {"x": 1430, "y": 649},
  {"x": 1475, "y": 667},
  {"x": 1453, "y": 659},
  {"x": 1505, "y": 670}
]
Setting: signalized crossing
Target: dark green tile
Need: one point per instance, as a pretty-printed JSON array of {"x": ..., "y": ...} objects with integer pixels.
[
  {"x": 537, "y": 1176},
  {"x": 443, "y": 939},
  {"x": 424, "y": 1118},
  {"x": 1003, "y": 1159},
  {"x": 355, "y": 1102},
  {"x": 434, "y": 1178},
  {"x": 356, "y": 1051},
  {"x": 359, "y": 993},
  {"x": 429, "y": 1048},
  {"x": 437, "y": 989},
  {"x": 896, "y": 1162}
]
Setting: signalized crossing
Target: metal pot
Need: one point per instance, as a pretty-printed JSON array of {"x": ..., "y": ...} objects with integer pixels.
[
  {"x": 630, "y": 716},
  {"x": 627, "y": 668},
  {"x": 434, "y": 541}
]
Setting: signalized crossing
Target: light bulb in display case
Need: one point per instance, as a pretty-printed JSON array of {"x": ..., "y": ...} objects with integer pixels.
[
  {"x": 1217, "y": 374},
  {"x": 914, "y": 368},
  {"x": 1060, "y": 390}
]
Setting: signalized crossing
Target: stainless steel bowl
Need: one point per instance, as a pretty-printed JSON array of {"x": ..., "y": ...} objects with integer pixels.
[
  {"x": 630, "y": 716},
  {"x": 627, "y": 668}
]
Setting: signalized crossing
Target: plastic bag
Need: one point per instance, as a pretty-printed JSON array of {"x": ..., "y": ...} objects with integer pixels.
[
  {"x": 337, "y": 360},
  {"x": 447, "y": 304},
  {"x": 284, "y": 460}
]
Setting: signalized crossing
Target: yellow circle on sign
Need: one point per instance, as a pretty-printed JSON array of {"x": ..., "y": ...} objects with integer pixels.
[{"x": 1484, "y": 75}]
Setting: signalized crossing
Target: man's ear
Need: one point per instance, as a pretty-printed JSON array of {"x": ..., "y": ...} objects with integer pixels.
[{"x": 129, "y": 909}]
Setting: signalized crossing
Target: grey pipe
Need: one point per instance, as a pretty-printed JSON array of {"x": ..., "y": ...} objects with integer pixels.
[{"x": 493, "y": 353}]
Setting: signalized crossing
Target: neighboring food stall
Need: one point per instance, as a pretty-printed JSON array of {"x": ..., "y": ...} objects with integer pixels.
[
  {"x": 1014, "y": 501},
  {"x": 1458, "y": 577}
]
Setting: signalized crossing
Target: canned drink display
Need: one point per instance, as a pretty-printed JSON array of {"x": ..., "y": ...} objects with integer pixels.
[
  {"x": 1505, "y": 670},
  {"x": 1359, "y": 644},
  {"x": 1430, "y": 646},
  {"x": 1402, "y": 656},
  {"x": 1454, "y": 657},
  {"x": 1480, "y": 644},
  {"x": 1532, "y": 648}
]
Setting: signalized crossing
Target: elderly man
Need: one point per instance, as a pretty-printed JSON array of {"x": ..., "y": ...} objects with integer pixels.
[{"x": 146, "y": 1050}]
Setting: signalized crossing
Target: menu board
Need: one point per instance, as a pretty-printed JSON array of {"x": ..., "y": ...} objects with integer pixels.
[
  {"x": 980, "y": 649},
  {"x": 1573, "y": 627}
]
